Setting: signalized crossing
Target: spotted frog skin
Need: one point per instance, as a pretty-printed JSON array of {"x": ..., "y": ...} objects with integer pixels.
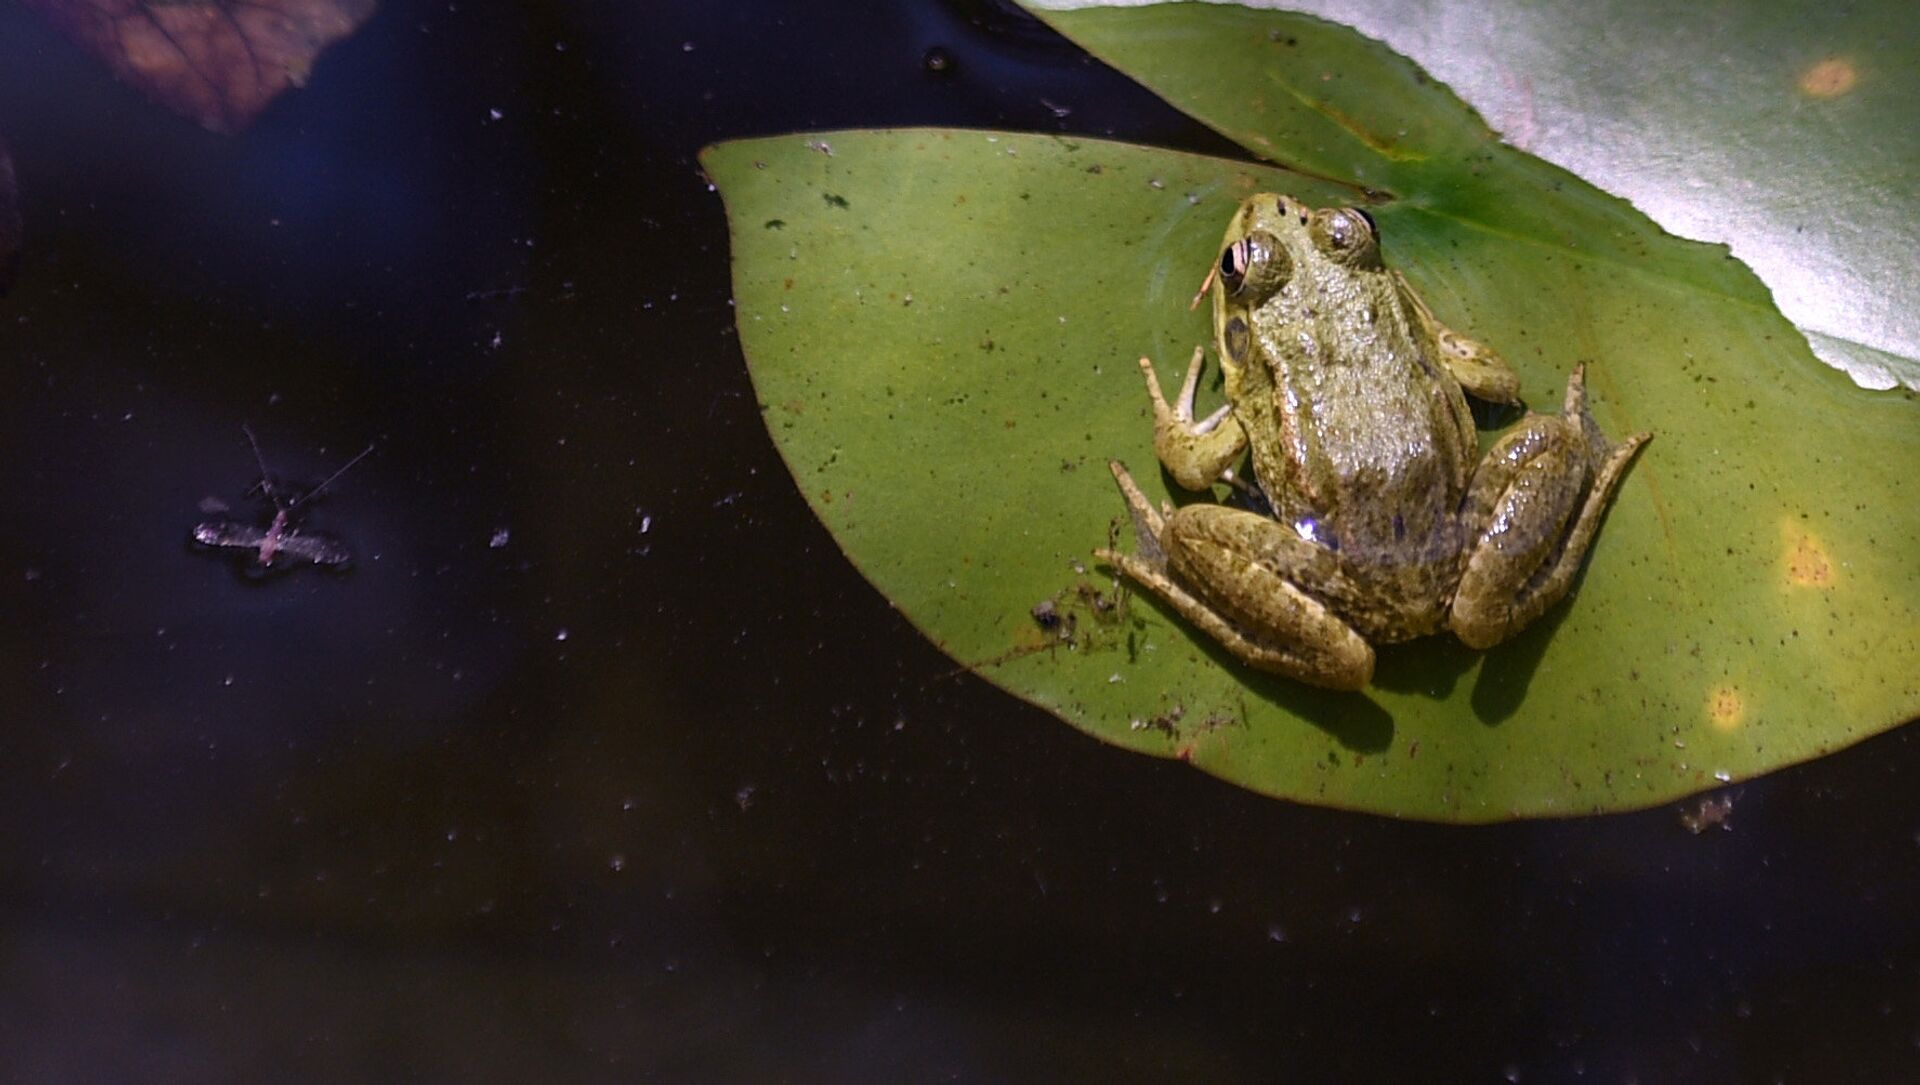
[{"x": 1387, "y": 523}]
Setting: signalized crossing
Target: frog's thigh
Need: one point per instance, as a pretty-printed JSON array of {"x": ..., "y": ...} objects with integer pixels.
[
  {"x": 1248, "y": 571},
  {"x": 1521, "y": 561}
]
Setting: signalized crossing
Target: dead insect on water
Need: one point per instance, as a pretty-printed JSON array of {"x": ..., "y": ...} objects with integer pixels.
[{"x": 282, "y": 537}]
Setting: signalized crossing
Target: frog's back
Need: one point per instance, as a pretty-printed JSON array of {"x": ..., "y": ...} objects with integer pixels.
[{"x": 1379, "y": 452}]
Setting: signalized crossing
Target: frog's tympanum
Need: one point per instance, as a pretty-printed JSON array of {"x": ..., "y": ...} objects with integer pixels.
[{"x": 1386, "y": 522}]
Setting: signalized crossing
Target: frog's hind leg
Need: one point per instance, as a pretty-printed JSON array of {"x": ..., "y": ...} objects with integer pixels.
[
  {"x": 1194, "y": 453},
  {"x": 1520, "y": 498},
  {"x": 1265, "y": 621}
]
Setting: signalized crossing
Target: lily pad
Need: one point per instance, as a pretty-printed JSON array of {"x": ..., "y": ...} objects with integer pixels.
[
  {"x": 941, "y": 327},
  {"x": 1778, "y": 126}
]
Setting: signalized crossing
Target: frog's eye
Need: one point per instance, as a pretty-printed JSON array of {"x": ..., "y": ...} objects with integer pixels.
[
  {"x": 1233, "y": 265},
  {"x": 1347, "y": 236},
  {"x": 1253, "y": 267}
]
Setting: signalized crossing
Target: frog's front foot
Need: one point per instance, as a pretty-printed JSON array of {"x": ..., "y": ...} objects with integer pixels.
[
  {"x": 1237, "y": 576},
  {"x": 1524, "y": 554},
  {"x": 1194, "y": 453}
]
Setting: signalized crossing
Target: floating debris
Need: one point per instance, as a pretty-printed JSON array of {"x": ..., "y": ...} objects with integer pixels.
[{"x": 1706, "y": 812}]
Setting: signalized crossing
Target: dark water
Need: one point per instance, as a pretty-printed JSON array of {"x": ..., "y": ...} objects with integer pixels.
[{"x": 660, "y": 789}]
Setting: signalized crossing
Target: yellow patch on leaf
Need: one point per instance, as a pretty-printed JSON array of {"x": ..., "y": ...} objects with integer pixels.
[
  {"x": 1808, "y": 565},
  {"x": 1726, "y": 708},
  {"x": 1830, "y": 78}
]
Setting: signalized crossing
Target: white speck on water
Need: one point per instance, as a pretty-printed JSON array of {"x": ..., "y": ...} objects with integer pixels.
[
  {"x": 500, "y": 538},
  {"x": 562, "y": 634},
  {"x": 494, "y": 114},
  {"x": 1114, "y": 677},
  {"x": 617, "y": 862}
]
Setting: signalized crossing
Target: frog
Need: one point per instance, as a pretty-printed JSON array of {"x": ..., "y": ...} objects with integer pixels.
[{"x": 1347, "y": 395}]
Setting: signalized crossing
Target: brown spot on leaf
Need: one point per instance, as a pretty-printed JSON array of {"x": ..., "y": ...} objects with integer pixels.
[
  {"x": 219, "y": 62},
  {"x": 1830, "y": 78}
]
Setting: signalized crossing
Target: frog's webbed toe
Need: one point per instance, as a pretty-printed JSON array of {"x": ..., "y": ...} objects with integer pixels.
[
  {"x": 1149, "y": 524},
  {"x": 1525, "y": 554},
  {"x": 1239, "y": 565},
  {"x": 1195, "y": 453}
]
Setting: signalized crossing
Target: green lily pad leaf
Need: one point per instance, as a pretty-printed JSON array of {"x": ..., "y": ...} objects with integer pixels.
[
  {"x": 942, "y": 327},
  {"x": 1783, "y": 128}
]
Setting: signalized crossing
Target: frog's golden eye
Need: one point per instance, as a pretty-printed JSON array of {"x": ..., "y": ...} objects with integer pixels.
[
  {"x": 1255, "y": 266},
  {"x": 1347, "y": 236}
]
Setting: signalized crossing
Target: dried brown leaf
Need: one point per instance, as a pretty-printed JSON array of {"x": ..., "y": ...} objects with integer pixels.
[{"x": 220, "y": 62}]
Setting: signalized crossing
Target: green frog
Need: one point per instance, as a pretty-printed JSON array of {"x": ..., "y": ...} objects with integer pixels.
[{"x": 1387, "y": 524}]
